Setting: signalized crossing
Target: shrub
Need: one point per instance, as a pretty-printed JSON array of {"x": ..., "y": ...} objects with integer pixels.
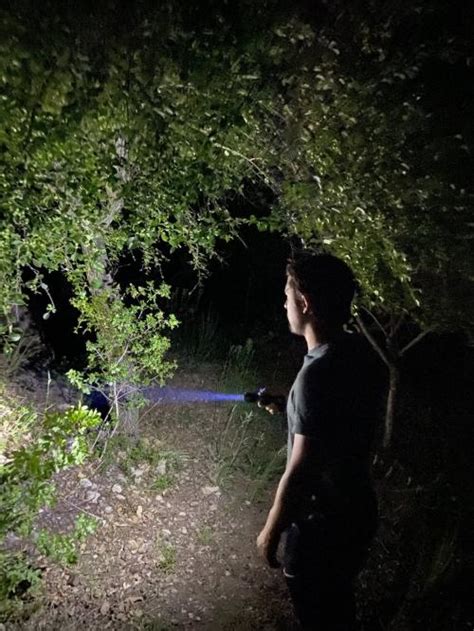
[{"x": 57, "y": 441}]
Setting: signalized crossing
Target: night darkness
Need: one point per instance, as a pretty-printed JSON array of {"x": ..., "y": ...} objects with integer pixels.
[{"x": 159, "y": 159}]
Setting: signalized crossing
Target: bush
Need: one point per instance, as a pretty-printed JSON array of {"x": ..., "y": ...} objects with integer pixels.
[{"x": 56, "y": 441}]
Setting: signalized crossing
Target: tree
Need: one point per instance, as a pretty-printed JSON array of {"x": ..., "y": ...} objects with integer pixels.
[
  {"x": 127, "y": 146},
  {"x": 368, "y": 169},
  {"x": 127, "y": 134}
]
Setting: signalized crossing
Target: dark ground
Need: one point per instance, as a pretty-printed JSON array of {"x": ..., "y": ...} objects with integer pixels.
[{"x": 176, "y": 544}]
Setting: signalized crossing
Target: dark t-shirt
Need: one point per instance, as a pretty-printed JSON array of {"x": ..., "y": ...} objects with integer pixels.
[{"x": 334, "y": 402}]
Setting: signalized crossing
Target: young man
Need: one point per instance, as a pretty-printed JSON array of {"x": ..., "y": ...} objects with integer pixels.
[{"x": 324, "y": 502}]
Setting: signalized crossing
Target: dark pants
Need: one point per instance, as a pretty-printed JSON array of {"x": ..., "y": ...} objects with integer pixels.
[{"x": 322, "y": 559}]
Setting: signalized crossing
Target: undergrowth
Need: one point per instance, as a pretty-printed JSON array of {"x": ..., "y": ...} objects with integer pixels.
[
  {"x": 159, "y": 465},
  {"x": 35, "y": 446}
]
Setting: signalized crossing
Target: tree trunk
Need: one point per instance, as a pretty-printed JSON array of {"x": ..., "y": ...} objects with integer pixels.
[
  {"x": 394, "y": 380},
  {"x": 100, "y": 280}
]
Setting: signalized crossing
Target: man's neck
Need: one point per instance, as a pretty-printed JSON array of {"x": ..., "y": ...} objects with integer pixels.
[{"x": 315, "y": 336}]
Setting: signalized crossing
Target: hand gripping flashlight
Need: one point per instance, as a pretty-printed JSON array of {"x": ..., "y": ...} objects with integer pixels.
[{"x": 265, "y": 399}]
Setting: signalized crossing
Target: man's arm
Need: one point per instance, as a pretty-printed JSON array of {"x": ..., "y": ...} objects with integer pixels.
[{"x": 288, "y": 497}]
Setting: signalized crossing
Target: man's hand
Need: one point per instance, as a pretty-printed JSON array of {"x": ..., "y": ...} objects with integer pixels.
[
  {"x": 273, "y": 408},
  {"x": 267, "y": 545}
]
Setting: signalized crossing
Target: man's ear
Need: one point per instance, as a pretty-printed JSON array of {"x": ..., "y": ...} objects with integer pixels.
[{"x": 306, "y": 306}]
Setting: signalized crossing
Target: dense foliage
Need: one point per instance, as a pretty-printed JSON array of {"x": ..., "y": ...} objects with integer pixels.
[
  {"x": 374, "y": 155},
  {"x": 126, "y": 131},
  {"x": 114, "y": 148},
  {"x": 41, "y": 445}
]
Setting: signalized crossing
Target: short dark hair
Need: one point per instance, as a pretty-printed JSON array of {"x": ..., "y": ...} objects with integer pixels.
[{"x": 327, "y": 281}]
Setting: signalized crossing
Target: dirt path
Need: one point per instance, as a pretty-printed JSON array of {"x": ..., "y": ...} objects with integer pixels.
[
  {"x": 179, "y": 512},
  {"x": 175, "y": 547}
]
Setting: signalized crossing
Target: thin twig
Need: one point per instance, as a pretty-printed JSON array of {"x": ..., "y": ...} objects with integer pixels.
[
  {"x": 149, "y": 410},
  {"x": 417, "y": 339},
  {"x": 43, "y": 285},
  {"x": 377, "y": 322},
  {"x": 373, "y": 341},
  {"x": 397, "y": 325},
  {"x": 83, "y": 510},
  {"x": 251, "y": 161},
  {"x": 125, "y": 351}
]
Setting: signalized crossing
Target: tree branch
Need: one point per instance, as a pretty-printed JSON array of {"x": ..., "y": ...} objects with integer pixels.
[
  {"x": 377, "y": 322},
  {"x": 251, "y": 161},
  {"x": 373, "y": 341},
  {"x": 417, "y": 339},
  {"x": 395, "y": 327}
]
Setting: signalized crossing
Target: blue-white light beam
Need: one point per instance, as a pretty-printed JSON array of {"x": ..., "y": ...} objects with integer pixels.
[{"x": 182, "y": 395}]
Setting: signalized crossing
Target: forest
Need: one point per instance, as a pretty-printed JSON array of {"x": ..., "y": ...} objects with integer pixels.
[{"x": 160, "y": 162}]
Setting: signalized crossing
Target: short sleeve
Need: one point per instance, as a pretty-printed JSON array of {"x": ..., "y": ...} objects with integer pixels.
[{"x": 314, "y": 405}]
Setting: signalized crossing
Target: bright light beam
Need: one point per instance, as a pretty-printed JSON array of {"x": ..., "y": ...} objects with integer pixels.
[{"x": 180, "y": 395}]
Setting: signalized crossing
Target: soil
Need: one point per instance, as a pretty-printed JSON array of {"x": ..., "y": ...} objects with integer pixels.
[
  {"x": 181, "y": 557},
  {"x": 175, "y": 546}
]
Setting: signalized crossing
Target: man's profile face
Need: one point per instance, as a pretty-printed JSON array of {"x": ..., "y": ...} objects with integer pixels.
[{"x": 294, "y": 307}]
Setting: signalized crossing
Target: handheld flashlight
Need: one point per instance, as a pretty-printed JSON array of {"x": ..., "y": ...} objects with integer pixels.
[{"x": 264, "y": 399}]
